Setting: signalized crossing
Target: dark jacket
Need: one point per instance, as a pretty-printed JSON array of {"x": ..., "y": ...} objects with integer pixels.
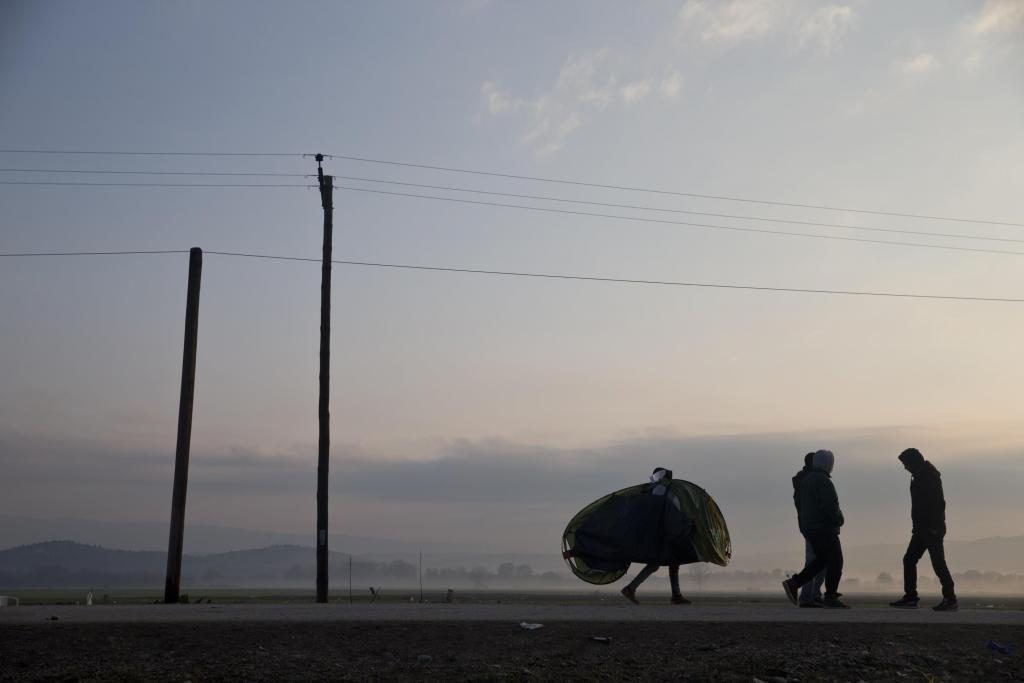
[
  {"x": 927, "y": 504},
  {"x": 818, "y": 508},
  {"x": 797, "y": 478}
]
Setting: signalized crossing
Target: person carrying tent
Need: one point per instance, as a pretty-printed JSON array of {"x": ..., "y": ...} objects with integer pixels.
[
  {"x": 664, "y": 523},
  {"x": 820, "y": 520},
  {"x": 660, "y": 480}
]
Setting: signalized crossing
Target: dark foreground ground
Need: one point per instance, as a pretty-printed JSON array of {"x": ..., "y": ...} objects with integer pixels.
[{"x": 488, "y": 650}]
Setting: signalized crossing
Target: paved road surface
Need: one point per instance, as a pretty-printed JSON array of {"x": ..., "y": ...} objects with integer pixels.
[{"x": 341, "y": 612}]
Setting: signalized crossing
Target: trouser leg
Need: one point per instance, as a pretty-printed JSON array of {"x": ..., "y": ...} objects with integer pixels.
[
  {"x": 811, "y": 591},
  {"x": 915, "y": 549},
  {"x": 644, "y": 574},
  {"x": 833, "y": 568},
  {"x": 823, "y": 544},
  {"x": 937, "y": 553},
  {"x": 673, "y": 579}
]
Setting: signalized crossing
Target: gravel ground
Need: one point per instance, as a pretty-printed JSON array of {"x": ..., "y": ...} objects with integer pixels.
[{"x": 486, "y": 650}]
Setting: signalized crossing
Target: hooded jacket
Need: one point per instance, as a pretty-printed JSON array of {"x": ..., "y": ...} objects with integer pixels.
[
  {"x": 818, "y": 508},
  {"x": 927, "y": 503},
  {"x": 797, "y": 478}
]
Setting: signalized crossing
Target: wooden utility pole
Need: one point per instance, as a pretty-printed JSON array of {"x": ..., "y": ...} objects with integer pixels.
[
  {"x": 172, "y": 586},
  {"x": 323, "y": 460}
]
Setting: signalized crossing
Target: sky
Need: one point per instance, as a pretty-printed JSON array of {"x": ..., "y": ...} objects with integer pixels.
[{"x": 488, "y": 408}]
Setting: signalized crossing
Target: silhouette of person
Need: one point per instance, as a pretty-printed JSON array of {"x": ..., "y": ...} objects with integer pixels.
[
  {"x": 820, "y": 520},
  {"x": 660, "y": 480},
  {"x": 928, "y": 517},
  {"x": 810, "y": 592}
]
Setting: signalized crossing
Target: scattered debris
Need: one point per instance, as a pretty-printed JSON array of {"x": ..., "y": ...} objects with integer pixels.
[
  {"x": 530, "y": 627},
  {"x": 601, "y": 639},
  {"x": 424, "y": 659},
  {"x": 999, "y": 647},
  {"x": 53, "y": 617}
]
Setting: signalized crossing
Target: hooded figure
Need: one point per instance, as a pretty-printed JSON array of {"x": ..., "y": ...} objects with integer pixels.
[
  {"x": 928, "y": 519},
  {"x": 810, "y": 593},
  {"x": 818, "y": 501},
  {"x": 820, "y": 519}
]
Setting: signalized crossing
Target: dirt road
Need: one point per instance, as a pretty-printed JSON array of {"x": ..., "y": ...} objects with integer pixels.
[{"x": 771, "y": 643}]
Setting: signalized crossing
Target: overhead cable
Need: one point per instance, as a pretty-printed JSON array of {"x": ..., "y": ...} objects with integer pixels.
[
  {"x": 495, "y": 174},
  {"x": 150, "y": 154},
  {"x": 185, "y": 173},
  {"x": 662, "y": 221},
  {"x": 603, "y": 186},
  {"x": 640, "y": 207},
  {"x": 548, "y": 276},
  {"x": 589, "y": 278},
  {"x": 73, "y": 183},
  {"x": 96, "y": 253},
  {"x": 516, "y": 195}
]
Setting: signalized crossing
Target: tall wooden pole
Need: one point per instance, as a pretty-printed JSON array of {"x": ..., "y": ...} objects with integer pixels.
[
  {"x": 172, "y": 586},
  {"x": 323, "y": 459}
]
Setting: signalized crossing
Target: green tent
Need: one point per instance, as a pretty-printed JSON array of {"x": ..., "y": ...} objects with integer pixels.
[{"x": 634, "y": 525}]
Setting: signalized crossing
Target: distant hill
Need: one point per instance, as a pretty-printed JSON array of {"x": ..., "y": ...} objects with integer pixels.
[
  {"x": 65, "y": 563},
  {"x": 55, "y": 564},
  {"x": 199, "y": 538}
]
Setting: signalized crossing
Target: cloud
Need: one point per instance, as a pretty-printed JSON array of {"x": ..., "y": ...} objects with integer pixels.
[
  {"x": 732, "y": 21},
  {"x": 671, "y": 86},
  {"x": 825, "y": 28},
  {"x": 587, "y": 84},
  {"x": 471, "y": 488},
  {"x": 917, "y": 65},
  {"x": 999, "y": 16},
  {"x": 636, "y": 91}
]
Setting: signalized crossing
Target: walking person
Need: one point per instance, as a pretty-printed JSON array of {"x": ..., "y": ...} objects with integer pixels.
[
  {"x": 820, "y": 520},
  {"x": 810, "y": 593},
  {"x": 660, "y": 480},
  {"x": 928, "y": 518}
]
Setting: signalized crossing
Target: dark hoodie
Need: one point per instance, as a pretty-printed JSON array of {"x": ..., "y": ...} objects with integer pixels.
[
  {"x": 927, "y": 504},
  {"x": 818, "y": 510},
  {"x": 797, "y": 478}
]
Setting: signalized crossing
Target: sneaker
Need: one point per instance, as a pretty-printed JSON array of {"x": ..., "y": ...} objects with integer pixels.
[
  {"x": 813, "y": 603},
  {"x": 905, "y": 603},
  {"x": 834, "y": 603},
  {"x": 630, "y": 594},
  {"x": 947, "y": 605},
  {"x": 790, "y": 589},
  {"x": 680, "y": 600}
]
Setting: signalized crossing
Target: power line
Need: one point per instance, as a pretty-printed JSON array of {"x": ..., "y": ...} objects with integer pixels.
[
  {"x": 172, "y": 173},
  {"x": 90, "y": 184},
  {"x": 639, "y": 207},
  {"x": 731, "y": 228},
  {"x": 494, "y": 174},
  {"x": 578, "y": 183},
  {"x": 449, "y": 188},
  {"x": 547, "y": 276},
  {"x": 662, "y": 221},
  {"x": 151, "y": 154},
  {"x": 588, "y": 278},
  {"x": 98, "y": 253}
]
